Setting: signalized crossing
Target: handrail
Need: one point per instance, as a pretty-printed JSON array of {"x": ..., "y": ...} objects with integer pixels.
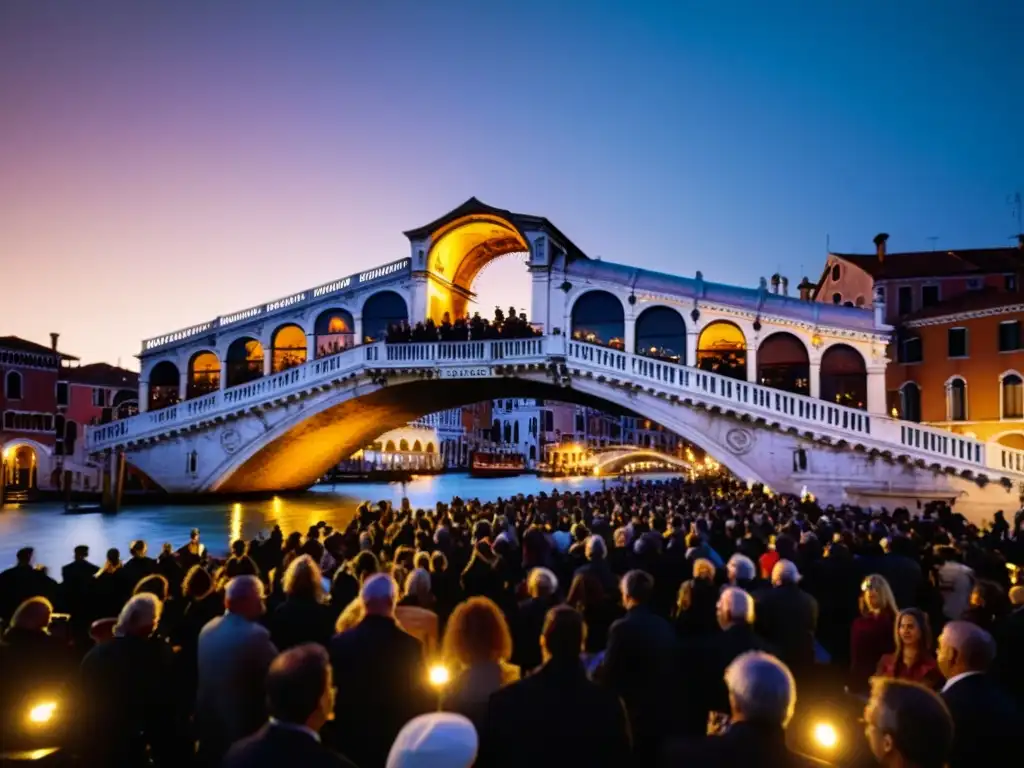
[
  {"x": 794, "y": 410},
  {"x": 286, "y": 302}
]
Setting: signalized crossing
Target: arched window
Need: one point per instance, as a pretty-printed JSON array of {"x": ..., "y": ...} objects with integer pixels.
[
  {"x": 597, "y": 318},
  {"x": 390, "y": 446},
  {"x": 661, "y": 333},
  {"x": 515, "y": 432},
  {"x": 403, "y": 444},
  {"x": 163, "y": 385},
  {"x": 12, "y": 385},
  {"x": 203, "y": 374},
  {"x": 245, "y": 361},
  {"x": 844, "y": 377},
  {"x": 417, "y": 447},
  {"x": 1012, "y": 396},
  {"x": 430, "y": 448},
  {"x": 380, "y": 311},
  {"x": 508, "y": 432},
  {"x": 836, "y": 272},
  {"x": 956, "y": 400},
  {"x": 288, "y": 348},
  {"x": 722, "y": 349},
  {"x": 783, "y": 363},
  {"x": 910, "y": 402},
  {"x": 334, "y": 330}
]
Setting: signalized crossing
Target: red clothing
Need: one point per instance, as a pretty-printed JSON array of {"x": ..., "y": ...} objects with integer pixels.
[
  {"x": 925, "y": 670},
  {"x": 767, "y": 562},
  {"x": 871, "y": 637}
]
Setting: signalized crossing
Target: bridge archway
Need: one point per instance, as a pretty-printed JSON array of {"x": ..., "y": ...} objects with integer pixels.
[
  {"x": 458, "y": 250},
  {"x": 244, "y": 361},
  {"x": 601, "y": 463},
  {"x": 844, "y": 377},
  {"x": 597, "y": 317},
  {"x": 661, "y": 333},
  {"x": 164, "y": 381},
  {"x": 783, "y": 363},
  {"x": 333, "y": 331},
  {"x": 203, "y": 374},
  {"x": 381, "y": 310},
  {"x": 722, "y": 348},
  {"x": 287, "y": 348}
]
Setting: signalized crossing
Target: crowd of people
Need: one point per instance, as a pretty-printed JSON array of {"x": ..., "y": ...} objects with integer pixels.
[
  {"x": 646, "y": 624},
  {"x": 503, "y": 326}
]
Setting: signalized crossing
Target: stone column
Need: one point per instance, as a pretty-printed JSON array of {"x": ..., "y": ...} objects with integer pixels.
[
  {"x": 815, "y": 378},
  {"x": 183, "y": 383},
  {"x": 223, "y": 374},
  {"x": 752, "y": 362},
  {"x": 143, "y": 396},
  {"x": 268, "y": 360},
  {"x": 691, "y": 348},
  {"x": 310, "y": 346},
  {"x": 876, "y": 391},
  {"x": 357, "y": 328},
  {"x": 540, "y": 300},
  {"x": 630, "y": 334}
]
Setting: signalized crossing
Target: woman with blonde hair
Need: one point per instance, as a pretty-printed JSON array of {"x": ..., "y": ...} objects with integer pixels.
[
  {"x": 914, "y": 657},
  {"x": 304, "y": 616},
  {"x": 871, "y": 635},
  {"x": 415, "y": 610},
  {"x": 477, "y": 646}
]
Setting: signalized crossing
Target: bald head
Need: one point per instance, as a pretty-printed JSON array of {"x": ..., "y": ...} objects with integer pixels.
[
  {"x": 244, "y": 596},
  {"x": 965, "y": 647}
]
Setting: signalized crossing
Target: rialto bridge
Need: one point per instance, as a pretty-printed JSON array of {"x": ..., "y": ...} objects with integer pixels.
[{"x": 778, "y": 388}]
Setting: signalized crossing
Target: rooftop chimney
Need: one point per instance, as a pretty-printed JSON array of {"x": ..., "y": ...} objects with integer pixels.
[
  {"x": 880, "y": 245},
  {"x": 53, "y": 341},
  {"x": 785, "y": 286}
]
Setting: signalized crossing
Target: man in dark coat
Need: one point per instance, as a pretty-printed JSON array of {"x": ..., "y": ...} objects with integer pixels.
[
  {"x": 641, "y": 666},
  {"x": 300, "y": 699},
  {"x": 21, "y": 582},
  {"x": 986, "y": 723},
  {"x": 762, "y": 695},
  {"x": 78, "y": 589},
  {"x": 787, "y": 617},
  {"x": 517, "y": 727},
  {"x": 380, "y": 670},
  {"x": 138, "y": 567}
]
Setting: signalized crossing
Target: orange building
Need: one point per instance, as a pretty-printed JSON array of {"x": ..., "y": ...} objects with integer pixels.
[{"x": 957, "y": 353}]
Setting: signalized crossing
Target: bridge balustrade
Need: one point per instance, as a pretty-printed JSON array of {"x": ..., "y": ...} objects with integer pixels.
[{"x": 674, "y": 378}]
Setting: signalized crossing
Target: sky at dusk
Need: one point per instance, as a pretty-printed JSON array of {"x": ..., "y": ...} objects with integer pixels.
[{"x": 163, "y": 163}]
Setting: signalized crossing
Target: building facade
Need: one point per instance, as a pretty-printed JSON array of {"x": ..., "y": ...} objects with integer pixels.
[{"x": 956, "y": 352}]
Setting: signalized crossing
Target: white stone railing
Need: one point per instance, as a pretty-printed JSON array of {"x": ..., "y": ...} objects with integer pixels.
[
  {"x": 800, "y": 411},
  {"x": 302, "y": 297}
]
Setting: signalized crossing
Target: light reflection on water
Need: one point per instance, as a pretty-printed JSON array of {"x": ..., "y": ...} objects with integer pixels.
[{"x": 55, "y": 535}]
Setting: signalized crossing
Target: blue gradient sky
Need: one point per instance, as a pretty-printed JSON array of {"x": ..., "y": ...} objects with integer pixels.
[{"x": 162, "y": 163}]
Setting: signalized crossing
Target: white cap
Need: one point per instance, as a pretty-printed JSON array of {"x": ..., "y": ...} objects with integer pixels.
[{"x": 437, "y": 740}]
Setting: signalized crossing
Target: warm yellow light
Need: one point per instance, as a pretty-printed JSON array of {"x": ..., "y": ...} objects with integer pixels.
[
  {"x": 439, "y": 675},
  {"x": 825, "y": 735},
  {"x": 895, "y": 413},
  {"x": 42, "y": 713}
]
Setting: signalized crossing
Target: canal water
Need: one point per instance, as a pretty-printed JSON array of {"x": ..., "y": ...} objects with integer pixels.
[{"x": 54, "y": 535}]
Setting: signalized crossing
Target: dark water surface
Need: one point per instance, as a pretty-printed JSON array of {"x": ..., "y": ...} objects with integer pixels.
[{"x": 55, "y": 535}]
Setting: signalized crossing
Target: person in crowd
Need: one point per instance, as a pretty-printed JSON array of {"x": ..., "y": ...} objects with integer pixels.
[
  {"x": 233, "y": 655},
  {"x": 192, "y": 553},
  {"x": 414, "y": 612},
  {"x": 641, "y": 666},
  {"x": 78, "y": 584},
  {"x": 304, "y": 616},
  {"x": 599, "y": 608},
  {"x": 542, "y": 585},
  {"x": 987, "y": 606},
  {"x": 914, "y": 657},
  {"x": 597, "y": 563},
  {"x": 986, "y": 722},
  {"x": 240, "y": 563},
  {"x": 478, "y": 646},
  {"x": 201, "y": 604},
  {"x": 138, "y": 567},
  {"x": 741, "y": 572},
  {"x": 901, "y": 571},
  {"x": 907, "y": 725},
  {"x": 787, "y": 617},
  {"x": 762, "y": 699},
  {"x": 125, "y": 712},
  {"x": 695, "y": 604},
  {"x": 381, "y": 670},
  {"x": 300, "y": 700},
  {"x": 21, "y": 582},
  {"x": 1009, "y": 635},
  {"x": 871, "y": 636},
  {"x": 441, "y": 739},
  {"x": 108, "y": 594},
  {"x": 955, "y": 582},
  {"x": 516, "y": 730}
]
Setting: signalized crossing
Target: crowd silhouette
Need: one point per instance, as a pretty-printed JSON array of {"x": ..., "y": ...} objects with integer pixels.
[
  {"x": 503, "y": 326},
  {"x": 606, "y": 628}
]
